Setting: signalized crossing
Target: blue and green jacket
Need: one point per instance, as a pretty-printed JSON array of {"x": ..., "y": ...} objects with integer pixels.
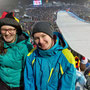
[
  {"x": 52, "y": 69},
  {"x": 13, "y": 62}
]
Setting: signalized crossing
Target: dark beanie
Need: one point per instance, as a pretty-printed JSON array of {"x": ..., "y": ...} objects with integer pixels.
[
  {"x": 9, "y": 19},
  {"x": 44, "y": 27}
]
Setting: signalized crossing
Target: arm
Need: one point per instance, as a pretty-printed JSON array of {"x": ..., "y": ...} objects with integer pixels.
[
  {"x": 68, "y": 79},
  {"x": 28, "y": 76}
]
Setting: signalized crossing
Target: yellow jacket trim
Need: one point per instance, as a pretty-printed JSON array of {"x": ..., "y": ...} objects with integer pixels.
[
  {"x": 61, "y": 69},
  {"x": 69, "y": 56},
  {"x": 33, "y": 62},
  {"x": 31, "y": 51},
  {"x": 50, "y": 74}
]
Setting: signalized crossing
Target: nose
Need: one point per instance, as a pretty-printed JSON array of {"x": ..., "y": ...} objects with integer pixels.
[
  {"x": 7, "y": 32},
  {"x": 41, "y": 40}
]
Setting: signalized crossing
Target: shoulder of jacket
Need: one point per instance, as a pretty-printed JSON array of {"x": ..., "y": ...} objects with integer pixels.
[
  {"x": 69, "y": 56},
  {"x": 32, "y": 50}
]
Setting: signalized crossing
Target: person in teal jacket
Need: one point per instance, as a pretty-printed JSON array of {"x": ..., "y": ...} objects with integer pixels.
[
  {"x": 14, "y": 47},
  {"x": 49, "y": 66}
]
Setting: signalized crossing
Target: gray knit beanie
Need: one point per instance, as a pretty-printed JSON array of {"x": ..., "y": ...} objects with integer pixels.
[{"x": 44, "y": 27}]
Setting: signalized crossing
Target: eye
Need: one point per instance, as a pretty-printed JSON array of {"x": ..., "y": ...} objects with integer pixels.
[
  {"x": 36, "y": 38},
  {"x": 10, "y": 29},
  {"x": 43, "y": 36}
]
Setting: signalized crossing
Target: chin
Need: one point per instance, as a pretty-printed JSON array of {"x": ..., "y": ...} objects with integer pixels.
[
  {"x": 42, "y": 48},
  {"x": 8, "y": 41},
  {"x": 45, "y": 48}
]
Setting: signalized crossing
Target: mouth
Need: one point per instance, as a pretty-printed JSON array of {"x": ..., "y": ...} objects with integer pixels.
[
  {"x": 42, "y": 45},
  {"x": 7, "y": 37}
]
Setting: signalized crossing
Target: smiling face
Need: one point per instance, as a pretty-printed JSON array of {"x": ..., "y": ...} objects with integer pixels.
[
  {"x": 43, "y": 40},
  {"x": 8, "y": 33}
]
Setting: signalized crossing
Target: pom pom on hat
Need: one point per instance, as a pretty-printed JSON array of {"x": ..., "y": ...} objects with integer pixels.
[
  {"x": 44, "y": 27},
  {"x": 8, "y": 18},
  {"x": 84, "y": 60}
]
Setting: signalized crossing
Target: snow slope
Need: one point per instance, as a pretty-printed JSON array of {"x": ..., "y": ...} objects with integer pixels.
[{"x": 75, "y": 31}]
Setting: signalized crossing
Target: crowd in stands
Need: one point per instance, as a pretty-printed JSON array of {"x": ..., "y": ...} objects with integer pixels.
[{"x": 50, "y": 13}]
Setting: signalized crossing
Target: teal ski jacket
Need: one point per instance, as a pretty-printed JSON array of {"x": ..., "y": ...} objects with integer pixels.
[
  {"x": 13, "y": 62},
  {"x": 52, "y": 69}
]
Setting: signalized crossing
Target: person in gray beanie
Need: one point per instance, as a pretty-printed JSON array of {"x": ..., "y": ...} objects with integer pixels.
[
  {"x": 49, "y": 66},
  {"x": 43, "y": 27},
  {"x": 14, "y": 47}
]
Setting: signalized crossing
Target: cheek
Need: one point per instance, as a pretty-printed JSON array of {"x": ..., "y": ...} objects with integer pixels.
[
  {"x": 14, "y": 33},
  {"x": 2, "y": 33},
  {"x": 49, "y": 40},
  {"x": 49, "y": 43}
]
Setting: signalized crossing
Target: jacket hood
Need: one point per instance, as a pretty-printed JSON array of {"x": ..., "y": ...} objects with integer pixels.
[{"x": 62, "y": 41}]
